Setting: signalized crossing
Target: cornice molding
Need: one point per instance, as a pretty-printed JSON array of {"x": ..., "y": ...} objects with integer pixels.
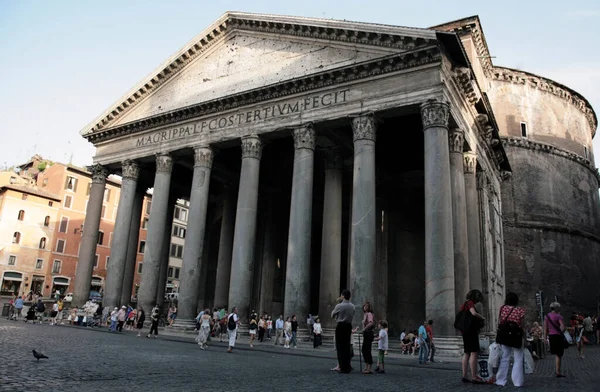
[
  {"x": 549, "y": 149},
  {"x": 355, "y": 72},
  {"x": 549, "y": 86},
  {"x": 391, "y": 37}
]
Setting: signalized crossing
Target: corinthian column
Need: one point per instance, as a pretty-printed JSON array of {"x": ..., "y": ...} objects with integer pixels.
[
  {"x": 459, "y": 216},
  {"x": 225, "y": 249},
  {"x": 89, "y": 240},
  {"x": 439, "y": 252},
  {"x": 363, "y": 236},
  {"x": 297, "y": 282},
  {"x": 156, "y": 231},
  {"x": 472, "y": 202},
  {"x": 118, "y": 249},
  {"x": 331, "y": 238},
  {"x": 194, "y": 243},
  {"x": 244, "y": 236}
]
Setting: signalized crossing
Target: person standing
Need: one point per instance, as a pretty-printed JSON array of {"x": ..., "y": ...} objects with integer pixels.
[
  {"x": 309, "y": 324},
  {"x": 269, "y": 327},
  {"x": 113, "y": 319},
  {"x": 588, "y": 328},
  {"x": 54, "y": 313},
  {"x": 317, "y": 331},
  {"x": 555, "y": 327},
  {"x": 232, "y": 324},
  {"x": 140, "y": 317},
  {"x": 205, "y": 326},
  {"x": 287, "y": 331},
  {"x": 510, "y": 312},
  {"x": 343, "y": 314},
  {"x": 382, "y": 346},
  {"x": 294, "y": 331},
  {"x": 423, "y": 343},
  {"x": 252, "y": 328},
  {"x": 121, "y": 316},
  {"x": 429, "y": 329},
  {"x": 470, "y": 336},
  {"x": 60, "y": 310},
  {"x": 368, "y": 324},
  {"x": 278, "y": 329},
  {"x": 262, "y": 327},
  {"x": 154, "y": 316},
  {"x": 173, "y": 314}
]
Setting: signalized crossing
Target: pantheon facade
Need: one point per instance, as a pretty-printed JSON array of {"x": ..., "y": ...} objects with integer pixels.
[{"x": 319, "y": 154}]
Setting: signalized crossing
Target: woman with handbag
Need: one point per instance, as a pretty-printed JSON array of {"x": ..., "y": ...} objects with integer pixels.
[
  {"x": 510, "y": 336},
  {"x": 471, "y": 324},
  {"x": 555, "y": 328}
]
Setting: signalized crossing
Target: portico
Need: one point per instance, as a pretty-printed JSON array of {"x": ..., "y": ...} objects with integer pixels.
[{"x": 353, "y": 166}]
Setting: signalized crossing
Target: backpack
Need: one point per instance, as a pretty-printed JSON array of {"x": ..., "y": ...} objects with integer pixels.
[
  {"x": 509, "y": 333},
  {"x": 40, "y": 307},
  {"x": 231, "y": 324}
]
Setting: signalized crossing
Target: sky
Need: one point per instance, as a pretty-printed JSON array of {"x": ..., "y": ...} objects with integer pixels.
[{"x": 63, "y": 62}]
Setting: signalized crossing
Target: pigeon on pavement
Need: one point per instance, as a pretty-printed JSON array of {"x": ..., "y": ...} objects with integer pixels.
[{"x": 38, "y": 356}]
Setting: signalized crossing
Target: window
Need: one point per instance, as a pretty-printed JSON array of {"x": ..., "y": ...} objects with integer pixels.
[
  {"x": 179, "y": 231},
  {"x": 12, "y": 260},
  {"x": 71, "y": 184},
  {"x": 50, "y": 204},
  {"x": 106, "y": 194},
  {"x": 107, "y": 260},
  {"x": 68, "y": 200},
  {"x": 60, "y": 246},
  {"x": 140, "y": 268},
  {"x": 176, "y": 273},
  {"x": 96, "y": 261},
  {"x": 103, "y": 211},
  {"x": 64, "y": 223},
  {"x": 24, "y": 196},
  {"x": 13, "y": 180},
  {"x": 16, "y": 237},
  {"x": 21, "y": 215},
  {"x": 43, "y": 243},
  {"x": 145, "y": 224},
  {"x": 181, "y": 214},
  {"x": 142, "y": 246},
  {"x": 585, "y": 152},
  {"x": 176, "y": 251},
  {"x": 47, "y": 221},
  {"x": 148, "y": 205},
  {"x": 39, "y": 263},
  {"x": 170, "y": 272},
  {"x": 100, "y": 237},
  {"x": 523, "y": 129},
  {"x": 56, "y": 266}
]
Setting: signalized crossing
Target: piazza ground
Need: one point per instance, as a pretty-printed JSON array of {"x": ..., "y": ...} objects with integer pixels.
[{"x": 95, "y": 360}]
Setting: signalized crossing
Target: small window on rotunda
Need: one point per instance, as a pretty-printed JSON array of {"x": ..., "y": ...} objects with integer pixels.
[{"x": 523, "y": 129}]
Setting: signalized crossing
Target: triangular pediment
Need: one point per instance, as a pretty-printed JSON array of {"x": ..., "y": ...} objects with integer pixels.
[{"x": 242, "y": 52}]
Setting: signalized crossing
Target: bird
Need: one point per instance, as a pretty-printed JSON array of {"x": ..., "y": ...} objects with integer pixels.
[{"x": 38, "y": 356}]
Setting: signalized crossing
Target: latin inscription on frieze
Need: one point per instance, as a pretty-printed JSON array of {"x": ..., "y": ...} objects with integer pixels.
[{"x": 245, "y": 117}]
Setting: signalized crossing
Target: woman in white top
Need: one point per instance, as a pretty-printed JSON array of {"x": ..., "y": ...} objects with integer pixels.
[
  {"x": 287, "y": 330},
  {"x": 317, "y": 331},
  {"x": 205, "y": 324},
  {"x": 54, "y": 313}
]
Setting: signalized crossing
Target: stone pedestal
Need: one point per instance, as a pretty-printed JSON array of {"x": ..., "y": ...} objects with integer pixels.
[
  {"x": 459, "y": 216},
  {"x": 195, "y": 235},
  {"x": 89, "y": 239},
  {"x": 439, "y": 252},
  {"x": 166, "y": 252},
  {"x": 297, "y": 282},
  {"x": 242, "y": 265},
  {"x": 473, "y": 227},
  {"x": 331, "y": 239},
  {"x": 120, "y": 239},
  {"x": 225, "y": 249},
  {"x": 363, "y": 236},
  {"x": 132, "y": 245},
  {"x": 156, "y": 231}
]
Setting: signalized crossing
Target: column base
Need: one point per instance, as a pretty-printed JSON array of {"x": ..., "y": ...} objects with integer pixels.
[
  {"x": 448, "y": 346},
  {"x": 182, "y": 325}
]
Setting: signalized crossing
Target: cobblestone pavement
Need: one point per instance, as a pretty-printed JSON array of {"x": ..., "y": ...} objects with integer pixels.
[{"x": 95, "y": 360}]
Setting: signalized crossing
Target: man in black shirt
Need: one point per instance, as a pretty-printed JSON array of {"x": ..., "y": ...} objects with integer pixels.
[{"x": 294, "y": 331}]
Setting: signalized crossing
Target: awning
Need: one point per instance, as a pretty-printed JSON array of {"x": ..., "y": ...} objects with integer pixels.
[
  {"x": 36, "y": 278},
  {"x": 61, "y": 281},
  {"x": 96, "y": 281},
  {"x": 170, "y": 285},
  {"x": 13, "y": 276}
]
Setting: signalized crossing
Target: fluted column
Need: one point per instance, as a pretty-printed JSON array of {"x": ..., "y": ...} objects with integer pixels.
[
  {"x": 156, "y": 231},
  {"x": 244, "y": 237},
  {"x": 331, "y": 237},
  {"x": 89, "y": 240},
  {"x": 121, "y": 233},
  {"x": 459, "y": 215},
  {"x": 194, "y": 243},
  {"x": 297, "y": 282},
  {"x": 166, "y": 252},
  {"x": 473, "y": 227},
  {"x": 363, "y": 236},
  {"x": 439, "y": 252},
  {"x": 132, "y": 245},
  {"x": 225, "y": 249}
]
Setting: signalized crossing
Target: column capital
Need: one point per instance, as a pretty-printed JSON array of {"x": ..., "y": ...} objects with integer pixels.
[
  {"x": 304, "y": 137},
  {"x": 456, "y": 138},
  {"x": 130, "y": 169},
  {"x": 470, "y": 162},
  {"x": 99, "y": 173},
  {"x": 435, "y": 113},
  {"x": 164, "y": 163},
  {"x": 364, "y": 127},
  {"x": 203, "y": 156},
  {"x": 251, "y": 147},
  {"x": 332, "y": 157}
]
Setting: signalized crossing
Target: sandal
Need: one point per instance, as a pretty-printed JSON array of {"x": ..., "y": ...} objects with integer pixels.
[
  {"x": 477, "y": 380},
  {"x": 335, "y": 369}
]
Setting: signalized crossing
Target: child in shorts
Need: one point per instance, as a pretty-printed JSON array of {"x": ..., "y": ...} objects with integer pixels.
[{"x": 382, "y": 346}]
